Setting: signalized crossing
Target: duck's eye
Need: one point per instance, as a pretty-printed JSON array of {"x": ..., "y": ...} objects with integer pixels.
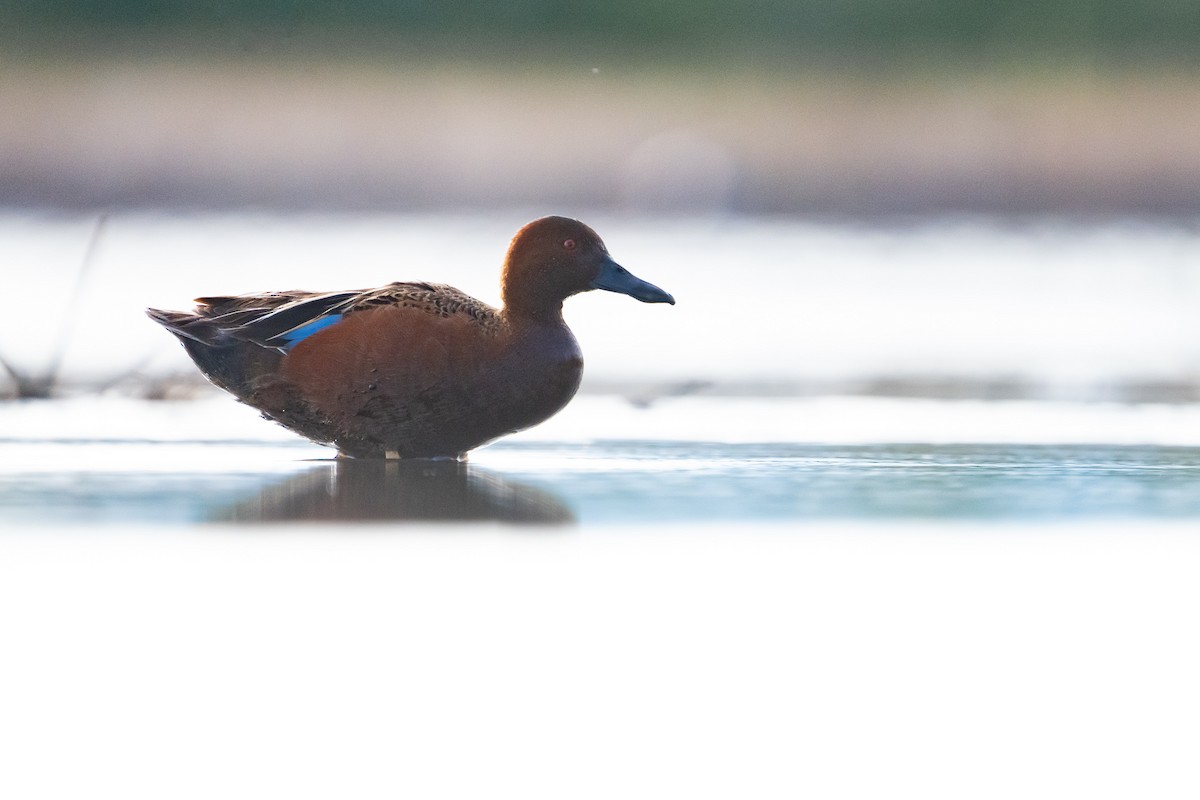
[{"x": 569, "y": 244}]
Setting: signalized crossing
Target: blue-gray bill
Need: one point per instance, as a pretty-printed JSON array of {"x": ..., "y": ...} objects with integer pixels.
[{"x": 615, "y": 278}]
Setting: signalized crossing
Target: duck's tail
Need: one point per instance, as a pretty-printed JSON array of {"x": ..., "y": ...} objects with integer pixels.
[
  {"x": 187, "y": 326},
  {"x": 233, "y": 364}
]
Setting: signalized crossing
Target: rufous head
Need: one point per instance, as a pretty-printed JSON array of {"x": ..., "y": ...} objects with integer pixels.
[{"x": 552, "y": 258}]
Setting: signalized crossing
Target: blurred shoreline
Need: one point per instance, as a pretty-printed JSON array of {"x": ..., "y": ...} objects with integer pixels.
[{"x": 361, "y": 135}]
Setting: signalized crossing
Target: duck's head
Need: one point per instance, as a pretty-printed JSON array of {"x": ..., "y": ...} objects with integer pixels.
[{"x": 552, "y": 258}]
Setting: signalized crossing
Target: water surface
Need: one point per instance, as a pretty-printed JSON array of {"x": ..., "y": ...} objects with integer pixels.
[{"x": 597, "y": 483}]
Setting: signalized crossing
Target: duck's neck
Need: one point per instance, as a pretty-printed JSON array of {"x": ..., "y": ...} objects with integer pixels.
[
  {"x": 534, "y": 292},
  {"x": 544, "y": 313}
]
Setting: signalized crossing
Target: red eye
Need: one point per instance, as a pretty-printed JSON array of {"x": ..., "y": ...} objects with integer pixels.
[{"x": 569, "y": 244}]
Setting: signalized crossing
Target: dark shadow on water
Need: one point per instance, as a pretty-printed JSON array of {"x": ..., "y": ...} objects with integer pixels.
[{"x": 347, "y": 490}]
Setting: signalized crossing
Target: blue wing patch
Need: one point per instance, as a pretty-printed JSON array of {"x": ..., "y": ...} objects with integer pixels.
[{"x": 297, "y": 335}]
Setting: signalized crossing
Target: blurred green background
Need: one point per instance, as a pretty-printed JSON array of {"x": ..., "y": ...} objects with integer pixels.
[
  {"x": 841, "y": 32},
  {"x": 860, "y": 108}
]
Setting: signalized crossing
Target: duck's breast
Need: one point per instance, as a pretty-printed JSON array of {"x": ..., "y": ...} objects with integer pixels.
[{"x": 542, "y": 366}]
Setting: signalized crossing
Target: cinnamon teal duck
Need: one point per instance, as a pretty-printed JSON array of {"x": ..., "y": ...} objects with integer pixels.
[{"x": 411, "y": 370}]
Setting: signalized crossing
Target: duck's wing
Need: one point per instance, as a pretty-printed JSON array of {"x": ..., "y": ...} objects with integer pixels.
[
  {"x": 281, "y": 320},
  {"x": 259, "y": 318}
]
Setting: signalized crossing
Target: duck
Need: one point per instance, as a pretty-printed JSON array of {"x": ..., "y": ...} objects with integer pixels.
[{"x": 411, "y": 370}]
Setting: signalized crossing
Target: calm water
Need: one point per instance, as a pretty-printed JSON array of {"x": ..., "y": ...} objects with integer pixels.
[
  {"x": 605, "y": 461},
  {"x": 599, "y": 483}
]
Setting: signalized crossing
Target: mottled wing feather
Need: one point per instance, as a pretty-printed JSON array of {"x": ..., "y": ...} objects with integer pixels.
[{"x": 437, "y": 299}]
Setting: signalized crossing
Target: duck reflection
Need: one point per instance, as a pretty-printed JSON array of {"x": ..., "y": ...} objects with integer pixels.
[{"x": 351, "y": 490}]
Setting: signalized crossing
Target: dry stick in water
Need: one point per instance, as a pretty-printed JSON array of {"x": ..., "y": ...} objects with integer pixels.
[{"x": 31, "y": 386}]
